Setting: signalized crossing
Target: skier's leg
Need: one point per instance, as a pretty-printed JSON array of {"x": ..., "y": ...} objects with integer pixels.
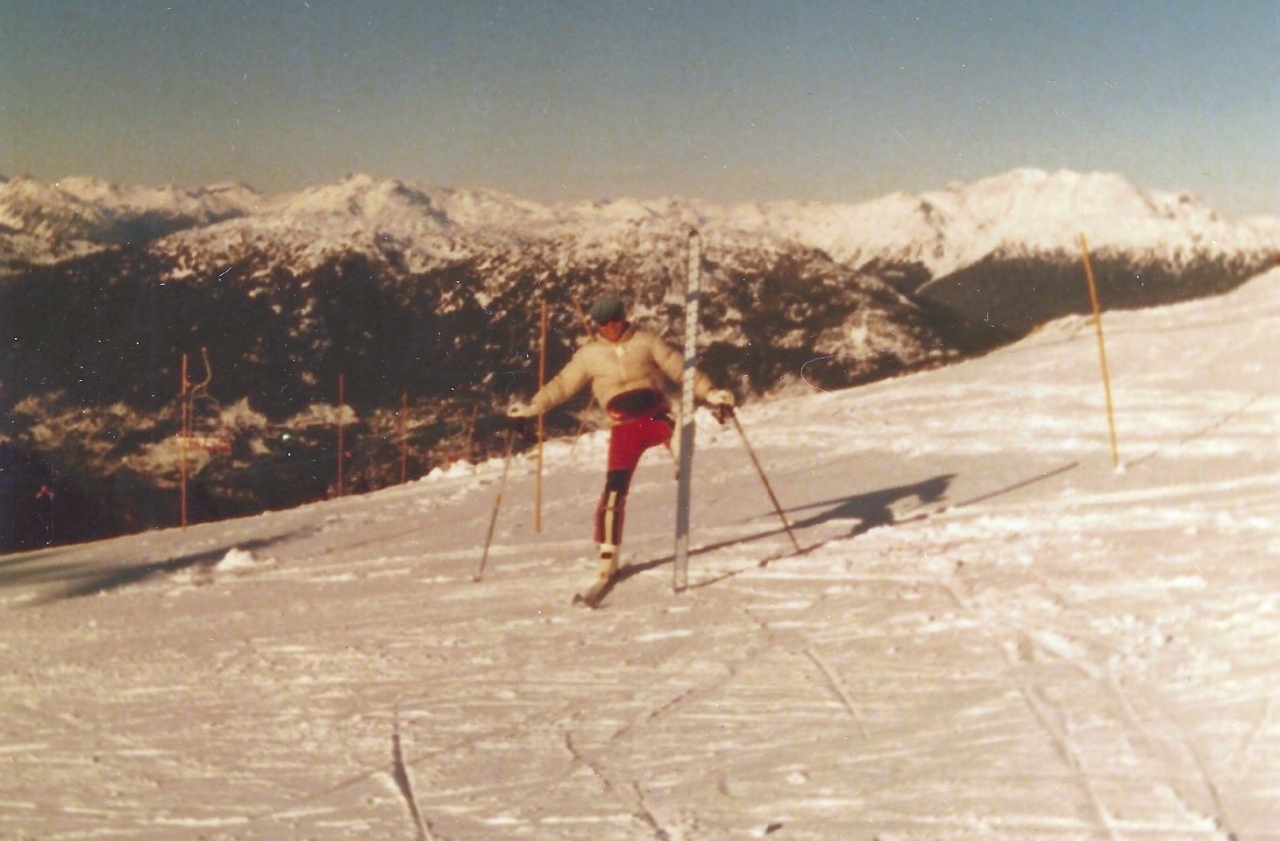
[
  {"x": 610, "y": 514},
  {"x": 627, "y": 442}
]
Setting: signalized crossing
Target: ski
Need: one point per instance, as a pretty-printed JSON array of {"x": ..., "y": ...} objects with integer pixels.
[
  {"x": 595, "y": 594},
  {"x": 680, "y": 570}
]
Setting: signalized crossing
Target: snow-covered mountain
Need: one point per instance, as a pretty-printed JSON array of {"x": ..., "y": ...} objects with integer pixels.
[
  {"x": 430, "y": 294},
  {"x": 974, "y": 248},
  {"x": 42, "y": 222},
  {"x": 1019, "y": 214}
]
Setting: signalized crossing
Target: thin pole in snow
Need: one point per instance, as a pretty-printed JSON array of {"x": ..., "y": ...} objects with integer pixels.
[
  {"x": 777, "y": 506},
  {"x": 1102, "y": 352},
  {"x": 404, "y": 437},
  {"x": 183, "y": 436},
  {"x": 187, "y": 394},
  {"x": 341, "y": 442},
  {"x": 586, "y": 325},
  {"x": 471, "y": 432},
  {"x": 497, "y": 505},
  {"x": 542, "y": 380}
]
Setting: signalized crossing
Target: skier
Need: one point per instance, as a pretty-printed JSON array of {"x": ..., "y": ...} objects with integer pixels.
[{"x": 627, "y": 369}]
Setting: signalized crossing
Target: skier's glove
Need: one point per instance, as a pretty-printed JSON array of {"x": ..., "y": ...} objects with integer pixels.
[
  {"x": 522, "y": 410},
  {"x": 721, "y": 403},
  {"x": 721, "y": 397}
]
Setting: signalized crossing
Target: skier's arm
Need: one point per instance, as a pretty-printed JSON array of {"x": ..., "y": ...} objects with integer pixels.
[
  {"x": 564, "y": 385},
  {"x": 671, "y": 363}
]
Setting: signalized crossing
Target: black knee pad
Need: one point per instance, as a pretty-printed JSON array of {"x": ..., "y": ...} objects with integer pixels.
[{"x": 617, "y": 481}]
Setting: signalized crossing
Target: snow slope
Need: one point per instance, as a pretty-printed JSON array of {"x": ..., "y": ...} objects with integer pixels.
[{"x": 990, "y": 634}]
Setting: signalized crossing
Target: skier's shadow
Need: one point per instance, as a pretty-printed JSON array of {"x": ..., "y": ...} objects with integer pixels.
[
  {"x": 865, "y": 511},
  {"x": 879, "y": 508},
  {"x": 888, "y": 507}
]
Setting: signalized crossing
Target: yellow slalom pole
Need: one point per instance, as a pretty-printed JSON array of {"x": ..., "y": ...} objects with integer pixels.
[
  {"x": 1102, "y": 351},
  {"x": 586, "y": 325},
  {"x": 404, "y": 437},
  {"x": 542, "y": 380},
  {"x": 341, "y": 441},
  {"x": 183, "y": 437},
  {"x": 582, "y": 316},
  {"x": 471, "y": 433}
]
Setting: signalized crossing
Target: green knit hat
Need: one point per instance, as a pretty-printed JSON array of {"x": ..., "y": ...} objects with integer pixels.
[{"x": 608, "y": 308}]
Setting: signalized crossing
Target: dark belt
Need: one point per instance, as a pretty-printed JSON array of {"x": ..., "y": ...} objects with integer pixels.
[{"x": 637, "y": 403}]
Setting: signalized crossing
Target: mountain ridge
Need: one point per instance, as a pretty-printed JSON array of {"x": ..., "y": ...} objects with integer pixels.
[{"x": 945, "y": 229}]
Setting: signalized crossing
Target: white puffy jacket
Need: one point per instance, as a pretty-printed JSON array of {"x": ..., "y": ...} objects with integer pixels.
[{"x": 638, "y": 360}]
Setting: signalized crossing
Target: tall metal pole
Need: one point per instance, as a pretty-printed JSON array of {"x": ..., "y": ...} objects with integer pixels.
[{"x": 684, "y": 494}]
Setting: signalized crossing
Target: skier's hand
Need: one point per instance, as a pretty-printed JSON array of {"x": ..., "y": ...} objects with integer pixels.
[
  {"x": 721, "y": 398},
  {"x": 522, "y": 410},
  {"x": 721, "y": 402}
]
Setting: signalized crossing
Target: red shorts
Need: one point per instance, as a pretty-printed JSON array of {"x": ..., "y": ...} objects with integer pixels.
[{"x": 637, "y": 429}]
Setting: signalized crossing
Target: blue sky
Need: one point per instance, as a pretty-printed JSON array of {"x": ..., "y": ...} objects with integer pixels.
[{"x": 728, "y": 101}]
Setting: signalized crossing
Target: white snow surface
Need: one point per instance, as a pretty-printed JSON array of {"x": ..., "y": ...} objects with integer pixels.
[{"x": 990, "y": 634}]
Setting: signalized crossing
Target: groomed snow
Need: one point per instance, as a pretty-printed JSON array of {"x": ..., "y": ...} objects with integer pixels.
[{"x": 991, "y": 633}]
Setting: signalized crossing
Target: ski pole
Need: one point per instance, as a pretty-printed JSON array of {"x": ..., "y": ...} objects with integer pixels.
[
  {"x": 497, "y": 504},
  {"x": 586, "y": 325},
  {"x": 777, "y": 506}
]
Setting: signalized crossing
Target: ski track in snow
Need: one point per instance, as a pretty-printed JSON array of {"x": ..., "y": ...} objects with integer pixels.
[{"x": 989, "y": 633}]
